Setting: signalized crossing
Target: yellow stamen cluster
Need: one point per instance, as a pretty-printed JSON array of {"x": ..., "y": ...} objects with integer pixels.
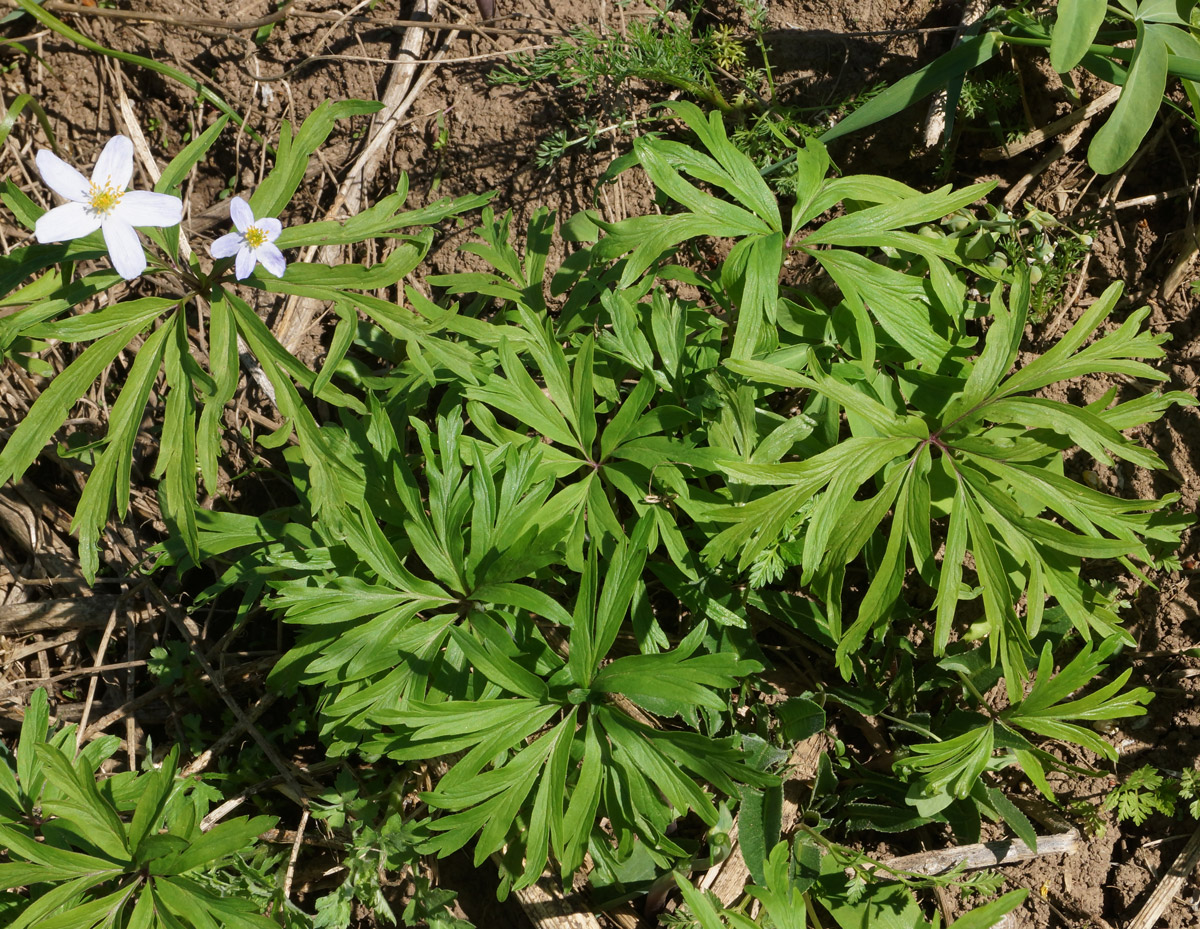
[
  {"x": 103, "y": 199},
  {"x": 255, "y": 237}
]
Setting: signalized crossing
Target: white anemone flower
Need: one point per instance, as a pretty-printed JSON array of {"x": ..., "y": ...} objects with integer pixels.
[
  {"x": 253, "y": 243},
  {"x": 103, "y": 203}
]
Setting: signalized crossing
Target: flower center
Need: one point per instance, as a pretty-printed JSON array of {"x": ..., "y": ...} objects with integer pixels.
[
  {"x": 255, "y": 237},
  {"x": 103, "y": 199}
]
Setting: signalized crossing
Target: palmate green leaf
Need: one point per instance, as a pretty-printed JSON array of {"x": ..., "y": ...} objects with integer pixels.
[
  {"x": 358, "y": 630},
  {"x": 628, "y": 415},
  {"x": 1117, "y": 140},
  {"x": 1075, "y": 26},
  {"x": 380, "y": 219},
  {"x": 64, "y": 896},
  {"x": 646, "y": 238},
  {"x": 291, "y": 159},
  {"x": 79, "y": 803},
  {"x": 887, "y": 580},
  {"x": 672, "y": 684},
  {"x": 898, "y": 301},
  {"x": 430, "y": 730},
  {"x": 278, "y": 363},
  {"x": 855, "y": 401},
  {"x": 111, "y": 474},
  {"x": 1049, "y": 689},
  {"x": 51, "y": 408},
  {"x": 490, "y": 802},
  {"x": 412, "y": 662},
  {"x": 1046, "y": 710},
  {"x": 638, "y": 756},
  {"x": 1001, "y": 345},
  {"x": 720, "y": 213},
  {"x": 33, "y": 733},
  {"x": 580, "y": 815},
  {"x": 867, "y": 226},
  {"x": 832, "y": 511},
  {"x": 88, "y": 326},
  {"x": 47, "y": 295},
  {"x": 1007, "y": 638},
  {"x": 602, "y": 605},
  {"x": 320, "y": 280},
  {"x": 1090, "y": 511},
  {"x": 102, "y": 911},
  {"x": 1140, "y": 410},
  {"x": 498, "y": 668},
  {"x": 1087, "y": 430},
  {"x": 737, "y": 174},
  {"x": 1057, "y": 362},
  {"x": 189, "y": 903},
  {"x": 218, "y": 843},
  {"x": 758, "y": 523},
  {"x": 519, "y": 396},
  {"x": 955, "y": 764},
  {"x": 63, "y": 862},
  {"x": 177, "y": 455},
  {"x": 751, "y": 278},
  {"x": 156, "y": 790},
  {"x": 546, "y": 820}
]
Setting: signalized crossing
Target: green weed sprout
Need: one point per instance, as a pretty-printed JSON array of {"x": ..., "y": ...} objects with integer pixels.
[{"x": 123, "y": 851}]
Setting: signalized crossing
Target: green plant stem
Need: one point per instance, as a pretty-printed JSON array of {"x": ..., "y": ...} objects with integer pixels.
[
  {"x": 974, "y": 691},
  {"x": 1187, "y": 68},
  {"x": 908, "y": 878}
]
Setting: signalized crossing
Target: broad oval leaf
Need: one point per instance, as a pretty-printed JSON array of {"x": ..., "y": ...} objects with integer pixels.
[{"x": 1135, "y": 112}]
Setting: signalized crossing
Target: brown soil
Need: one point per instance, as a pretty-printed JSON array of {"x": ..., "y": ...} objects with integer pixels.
[{"x": 825, "y": 51}]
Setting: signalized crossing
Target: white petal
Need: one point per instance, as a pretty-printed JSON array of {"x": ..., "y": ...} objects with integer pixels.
[
  {"x": 114, "y": 167},
  {"x": 241, "y": 214},
  {"x": 144, "y": 208},
  {"x": 227, "y": 246},
  {"x": 124, "y": 248},
  {"x": 245, "y": 262},
  {"x": 271, "y": 258},
  {"x": 271, "y": 226},
  {"x": 69, "y": 221},
  {"x": 61, "y": 177}
]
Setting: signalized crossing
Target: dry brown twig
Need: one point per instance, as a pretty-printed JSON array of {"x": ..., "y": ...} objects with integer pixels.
[
  {"x": 1083, "y": 114},
  {"x": 728, "y": 880},
  {"x": 1169, "y": 886},
  {"x": 398, "y": 97},
  {"x": 986, "y": 854},
  {"x": 218, "y": 682},
  {"x": 935, "y": 119}
]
